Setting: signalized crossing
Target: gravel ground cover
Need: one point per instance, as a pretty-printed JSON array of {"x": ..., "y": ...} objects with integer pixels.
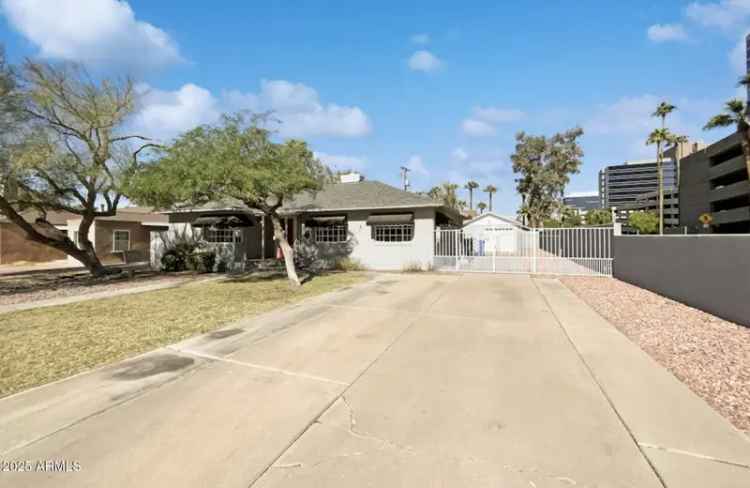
[
  {"x": 710, "y": 355},
  {"x": 42, "y": 286}
]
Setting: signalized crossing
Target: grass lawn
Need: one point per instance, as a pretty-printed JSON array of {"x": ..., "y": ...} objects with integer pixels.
[{"x": 43, "y": 345}]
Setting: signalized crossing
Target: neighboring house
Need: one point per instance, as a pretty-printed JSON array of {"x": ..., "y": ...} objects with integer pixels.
[
  {"x": 493, "y": 233},
  {"x": 124, "y": 237},
  {"x": 378, "y": 225},
  {"x": 16, "y": 248}
]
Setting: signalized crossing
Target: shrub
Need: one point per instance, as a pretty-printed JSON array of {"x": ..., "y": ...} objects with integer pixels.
[
  {"x": 179, "y": 249},
  {"x": 349, "y": 264},
  {"x": 644, "y": 222},
  {"x": 413, "y": 267}
]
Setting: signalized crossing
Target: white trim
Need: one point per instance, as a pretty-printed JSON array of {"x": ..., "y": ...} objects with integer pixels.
[{"x": 114, "y": 240}]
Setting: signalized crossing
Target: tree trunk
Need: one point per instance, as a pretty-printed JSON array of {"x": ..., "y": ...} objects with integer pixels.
[
  {"x": 660, "y": 175},
  {"x": 49, "y": 235},
  {"x": 471, "y": 199},
  {"x": 490, "y": 202},
  {"x": 286, "y": 250}
]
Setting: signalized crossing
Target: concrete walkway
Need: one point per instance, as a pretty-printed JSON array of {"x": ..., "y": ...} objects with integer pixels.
[{"x": 411, "y": 380}]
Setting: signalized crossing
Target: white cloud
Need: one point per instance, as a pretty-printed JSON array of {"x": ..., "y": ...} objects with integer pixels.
[
  {"x": 459, "y": 154},
  {"x": 300, "y": 111},
  {"x": 483, "y": 121},
  {"x": 723, "y": 14},
  {"x": 296, "y": 107},
  {"x": 477, "y": 128},
  {"x": 667, "y": 32},
  {"x": 165, "y": 114},
  {"x": 101, "y": 32},
  {"x": 341, "y": 162},
  {"x": 494, "y": 115},
  {"x": 420, "y": 38},
  {"x": 423, "y": 60},
  {"x": 416, "y": 164}
]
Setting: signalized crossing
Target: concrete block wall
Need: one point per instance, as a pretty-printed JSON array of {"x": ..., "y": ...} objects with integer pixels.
[{"x": 710, "y": 272}]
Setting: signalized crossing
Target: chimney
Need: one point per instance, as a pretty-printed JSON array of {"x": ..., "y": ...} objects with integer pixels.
[{"x": 351, "y": 177}]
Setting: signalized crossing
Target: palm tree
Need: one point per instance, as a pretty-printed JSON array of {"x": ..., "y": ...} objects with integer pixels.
[
  {"x": 471, "y": 185},
  {"x": 662, "y": 110},
  {"x": 481, "y": 206},
  {"x": 489, "y": 190},
  {"x": 659, "y": 137},
  {"x": 736, "y": 113}
]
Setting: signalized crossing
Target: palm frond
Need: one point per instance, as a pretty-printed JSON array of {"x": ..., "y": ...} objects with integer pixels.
[
  {"x": 721, "y": 120},
  {"x": 744, "y": 80}
]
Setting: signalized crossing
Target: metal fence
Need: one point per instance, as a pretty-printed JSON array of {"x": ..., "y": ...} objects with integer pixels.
[{"x": 569, "y": 251}]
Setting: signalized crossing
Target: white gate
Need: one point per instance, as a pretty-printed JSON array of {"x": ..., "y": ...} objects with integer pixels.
[{"x": 568, "y": 251}]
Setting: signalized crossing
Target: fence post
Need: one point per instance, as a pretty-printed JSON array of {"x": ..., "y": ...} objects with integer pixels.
[
  {"x": 457, "y": 251},
  {"x": 534, "y": 249},
  {"x": 494, "y": 250}
]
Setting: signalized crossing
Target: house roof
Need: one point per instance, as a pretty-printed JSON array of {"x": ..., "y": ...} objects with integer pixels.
[
  {"x": 363, "y": 195},
  {"x": 144, "y": 215},
  {"x": 504, "y": 218},
  {"x": 333, "y": 197}
]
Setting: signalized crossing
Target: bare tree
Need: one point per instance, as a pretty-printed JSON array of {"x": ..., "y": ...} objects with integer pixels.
[{"x": 71, "y": 154}]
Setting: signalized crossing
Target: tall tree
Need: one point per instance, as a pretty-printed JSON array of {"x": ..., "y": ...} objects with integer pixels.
[
  {"x": 233, "y": 159},
  {"x": 544, "y": 165},
  {"x": 660, "y": 137},
  {"x": 644, "y": 222},
  {"x": 736, "y": 113},
  {"x": 662, "y": 111},
  {"x": 482, "y": 207},
  {"x": 471, "y": 185},
  {"x": 490, "y": 190},
  {"x": 447, "y": 194},
  {"x": 71, "y": 155}
]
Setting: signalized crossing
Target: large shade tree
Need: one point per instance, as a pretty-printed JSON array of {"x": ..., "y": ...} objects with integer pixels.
[
  {"x": 544, "y": 165},
  {"x": 736, "y": 114},
  {"x": 69, "y": 152},
  {"x": 233, "y": 159}
]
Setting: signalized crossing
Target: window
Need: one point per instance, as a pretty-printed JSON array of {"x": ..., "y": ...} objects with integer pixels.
[
  {"x": 329, "y": 233},
  {"x": 327, "y": 228},
  {"x": 393, "y": 232},
  {"x": 121, "y": 240},
  {"x": 217, "y": 236}
]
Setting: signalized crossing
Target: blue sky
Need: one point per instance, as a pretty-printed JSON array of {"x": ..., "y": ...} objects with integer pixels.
[{"x": 440, "y": 86}]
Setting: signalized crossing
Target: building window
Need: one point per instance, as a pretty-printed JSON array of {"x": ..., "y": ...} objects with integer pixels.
[
  {"x": 393, "y": 232},
  {"x": 329, "y": 233},
  {"x": 219, "y": 236},
  {"x": 121, "y": 240}
]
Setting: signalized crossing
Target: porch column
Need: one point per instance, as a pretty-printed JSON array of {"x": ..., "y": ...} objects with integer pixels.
[{"x": 263, "y": 237}]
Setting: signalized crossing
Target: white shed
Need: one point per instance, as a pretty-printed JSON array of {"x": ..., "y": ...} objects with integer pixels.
[{"x": 492, "y": 233}]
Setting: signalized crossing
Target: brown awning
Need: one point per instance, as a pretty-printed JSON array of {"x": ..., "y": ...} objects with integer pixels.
[
  {"x": 223, "y": 221},
  {"x": 388, "y": 219},
  {"x": 326, "y": 220}
]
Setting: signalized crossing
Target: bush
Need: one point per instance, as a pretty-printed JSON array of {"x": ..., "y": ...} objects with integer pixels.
[
  {"x": 349, "y": 264},
  {"x": 182, "y": 252},
  {"x": 644, "y": 222},
  {"x": 413, "y": 267}
]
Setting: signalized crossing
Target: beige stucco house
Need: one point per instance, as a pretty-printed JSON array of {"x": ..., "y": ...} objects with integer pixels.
[{"x": 380, "y": 226}]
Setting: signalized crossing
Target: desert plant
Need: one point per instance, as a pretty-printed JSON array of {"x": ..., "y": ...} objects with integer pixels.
[
  {"x": 349, "y": 264},
  {"x": 412, "y": 267}
]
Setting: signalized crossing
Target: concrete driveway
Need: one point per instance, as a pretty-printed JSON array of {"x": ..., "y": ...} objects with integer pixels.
[{"x": 409, "y": 380}]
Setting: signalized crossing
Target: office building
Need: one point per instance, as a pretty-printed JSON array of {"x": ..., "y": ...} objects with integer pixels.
[
  {"x": 649, "y": 202},
  {"x": 714, "y": 181},
  {"x": 582, "y": 202},
  {"x": 621, "y": 184}
]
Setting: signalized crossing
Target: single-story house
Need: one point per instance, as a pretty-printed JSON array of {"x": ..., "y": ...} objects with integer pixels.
[
  {"x": 493, "y": 233},
  {"x": 124, "y": 237},
  {"x": 380, "y": 226},
  {"x": 15, "y": 247}
]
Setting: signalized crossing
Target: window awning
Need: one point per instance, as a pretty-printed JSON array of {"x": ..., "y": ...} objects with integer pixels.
[
  {"x": 223, "y": 221},
  {"x": 326, "y": 220},
  {"x": 389, "y": 219}
]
